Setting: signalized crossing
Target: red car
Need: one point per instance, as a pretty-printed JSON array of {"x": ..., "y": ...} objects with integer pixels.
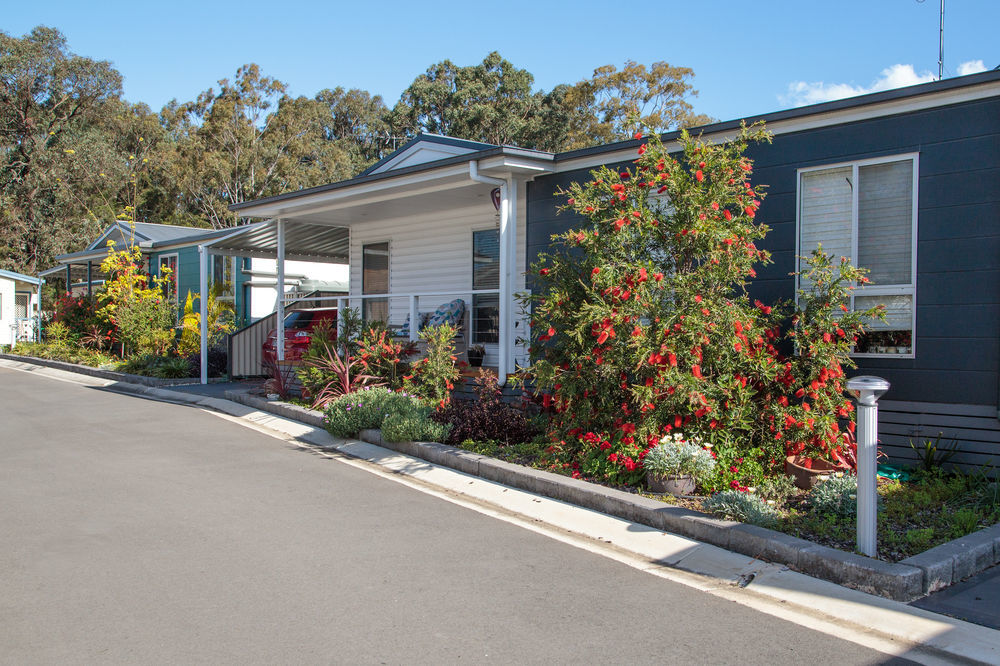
[{"x": 298, "y": 333}]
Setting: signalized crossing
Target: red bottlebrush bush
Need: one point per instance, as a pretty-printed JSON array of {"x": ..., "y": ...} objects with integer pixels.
[{"x": 642, "y": 326}]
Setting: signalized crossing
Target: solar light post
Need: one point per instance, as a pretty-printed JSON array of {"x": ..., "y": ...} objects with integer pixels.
[{"x": 867, "y": 390}]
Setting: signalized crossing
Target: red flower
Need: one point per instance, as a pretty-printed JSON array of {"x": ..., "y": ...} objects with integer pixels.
[
  {"x": 657, "y": 276},
  {"x": 551, "y": 331},
  {"x": 696, "y": 371},
  {"x": 699, "y": 176},
  {"x": 595, "y": 271},
  {"x": 544, "y": 271}
]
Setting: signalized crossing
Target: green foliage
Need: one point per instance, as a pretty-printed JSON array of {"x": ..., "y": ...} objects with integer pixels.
[
  {"x": 220, "y": 316},
  {"x": 676, "y": 455},
  {"x": 932, "y": 455},
  {"x": 612, "y": 104},
  {"x": 384, "y": 357},
  {"x": 401, "y": 416},
  {"x": 142, "y": 317},
  {"x": 413, "y": 427},
  {"x": 837, "y": 495},
  {"x": 744, "y": 507},
  {"x": 328, "y": 376},
  {"x": 48, "y": 99},
  {"x": 65, "y": 351},
  {"x": 433, "y": 377},
  {"x": 777, "y": 488},
  {"x": 155, "y": 365},
  {"x": 641, "y": 323}
]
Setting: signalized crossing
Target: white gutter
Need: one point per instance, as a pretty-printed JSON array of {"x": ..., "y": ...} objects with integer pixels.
[{"x": 508, "y": 232}]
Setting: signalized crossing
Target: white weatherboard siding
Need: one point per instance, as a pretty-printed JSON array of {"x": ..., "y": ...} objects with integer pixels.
[
  {"x": 432, "y": 252},
  {"x": 6, "y": 310}
]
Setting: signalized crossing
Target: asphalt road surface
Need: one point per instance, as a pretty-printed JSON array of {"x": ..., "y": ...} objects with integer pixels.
[{"x": 136, "y": 531}]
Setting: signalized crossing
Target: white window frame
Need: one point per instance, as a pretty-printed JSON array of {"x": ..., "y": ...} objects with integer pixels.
[
  {"x": 472, "y": 259},
  {"x": 223, "y": 298},
  {"x": 870, "y": 290},
  {"x": 176, "y": 270},
  {"x": 361, "y": 270}
]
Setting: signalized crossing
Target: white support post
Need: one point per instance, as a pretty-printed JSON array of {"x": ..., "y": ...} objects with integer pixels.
[
  {"x": 203, "y": 307},
  {"x": 341, "y": 306},
  {"x": 511, "y": 273},
  {"x": 867, "y": 390},
  {"x": 506, "y": 270},
  {"x": 38, "y": 314},
  {"x": 414, "y": 321},
  {"x": 505, "y": 293},
  {"x": 280, "y": 340}
]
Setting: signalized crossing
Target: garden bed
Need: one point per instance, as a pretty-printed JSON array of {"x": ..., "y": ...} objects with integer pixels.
[{"x": 105, "y": 372}]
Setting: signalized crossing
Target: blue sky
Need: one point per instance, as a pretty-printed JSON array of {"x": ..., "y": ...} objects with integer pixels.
[{"x": 748, "y": 57}]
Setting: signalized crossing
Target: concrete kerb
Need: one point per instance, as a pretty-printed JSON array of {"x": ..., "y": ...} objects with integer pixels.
[
  {"x": 957, "y": 560},
  {"x": 99, "y": 373}
]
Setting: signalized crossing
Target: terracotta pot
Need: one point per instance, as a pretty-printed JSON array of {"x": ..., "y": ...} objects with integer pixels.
[
  {"x": 675, "y": 485},
  {"x": 807, "y": 477}
]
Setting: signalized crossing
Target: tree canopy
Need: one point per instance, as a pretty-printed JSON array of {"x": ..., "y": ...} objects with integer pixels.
[{"x": 77, "y": 156}]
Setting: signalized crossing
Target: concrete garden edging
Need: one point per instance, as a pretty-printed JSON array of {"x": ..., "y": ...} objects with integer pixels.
[
  {"x": 103, "y": 374},
  {"x": 903, "y": 581}
]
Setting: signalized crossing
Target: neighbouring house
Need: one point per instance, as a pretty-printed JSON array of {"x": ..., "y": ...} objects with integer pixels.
[
  {"x": 19, "y": 297},
  {"x": 905, "y": 182},
  {"x": 247, "y": 283}
]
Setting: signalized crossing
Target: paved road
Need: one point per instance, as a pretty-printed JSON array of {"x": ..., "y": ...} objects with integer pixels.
[{"x": 142, "y": 532}]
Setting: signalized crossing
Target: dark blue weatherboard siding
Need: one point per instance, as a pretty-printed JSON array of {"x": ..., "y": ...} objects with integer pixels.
[{"x": 957, "y": 334}]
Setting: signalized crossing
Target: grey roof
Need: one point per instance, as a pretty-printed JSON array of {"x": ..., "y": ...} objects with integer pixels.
[
  {"x": 166, "y": 232},
  {"x": 426, "y": 137},
  {"x": 19, "y": 276},
  {"x": 303, "y": 242}
]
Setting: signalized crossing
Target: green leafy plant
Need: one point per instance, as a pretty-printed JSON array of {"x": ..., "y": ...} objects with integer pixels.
[
  {"x": 383, "y": 357},
  {"x": 280, "y": 378},
  {"x": 413, "y": 427},
  {"x": 677, "y": 455},
  {"x": 221, "y": 319},
  {"x": 433, "y": 377},
  {"x": 932, "y": 455},
  {"x": 744, "y": 507},
  {"x": 134, "y": 303},
  {"x": 837, "y": 495},
  {"x": 337, "y": 377},
  {"x": 777, "y": 488},
  {"x": 346, "y": 415}
]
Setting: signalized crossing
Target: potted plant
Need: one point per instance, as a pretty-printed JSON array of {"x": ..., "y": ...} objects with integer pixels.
[
  {"x": 677, "y": 464},
  {"x": 476, "y": 354}
]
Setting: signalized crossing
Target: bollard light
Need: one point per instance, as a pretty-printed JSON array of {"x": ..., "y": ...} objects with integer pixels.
[{"x": 867, "y": 390}]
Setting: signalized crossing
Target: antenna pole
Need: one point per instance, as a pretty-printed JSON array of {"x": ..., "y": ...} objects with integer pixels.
[{"x": 941, "y": 44}]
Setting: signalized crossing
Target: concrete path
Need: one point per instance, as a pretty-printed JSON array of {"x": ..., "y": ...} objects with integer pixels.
[{"x": 142, "y": 531}]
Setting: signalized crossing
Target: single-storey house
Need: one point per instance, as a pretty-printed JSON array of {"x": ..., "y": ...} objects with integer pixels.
[
  {"x": 906, "y": 182},
  {"x": 246, "y": 282},
  {"x": 19, "y": 297}
]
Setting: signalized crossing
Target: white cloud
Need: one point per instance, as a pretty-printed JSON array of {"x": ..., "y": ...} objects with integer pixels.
[
  {"x": 801, "y": 93},
  {"x": 971, "y": 67}
]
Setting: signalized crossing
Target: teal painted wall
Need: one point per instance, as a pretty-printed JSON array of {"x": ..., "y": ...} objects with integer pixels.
[{"x": 188, "y": 278}]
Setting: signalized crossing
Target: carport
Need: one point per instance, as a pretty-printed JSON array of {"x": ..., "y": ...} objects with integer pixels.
[{"x": 277, "y": 239}]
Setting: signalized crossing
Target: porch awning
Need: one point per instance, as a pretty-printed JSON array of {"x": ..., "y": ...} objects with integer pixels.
[{"x": 303, "y": 242}]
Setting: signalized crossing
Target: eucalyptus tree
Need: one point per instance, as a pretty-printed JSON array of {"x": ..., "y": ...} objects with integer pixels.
[{"x": 49, "y": 100}]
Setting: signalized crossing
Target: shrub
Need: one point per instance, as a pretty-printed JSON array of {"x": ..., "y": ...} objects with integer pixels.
[
  {"x": 134, "y": 304},
  {"x": 172, "y": 367},
  {"x": 413, "y": 427},
  {"x": 218, "y": 362},
  {"x": 487, "y": 417},
  {"x": 368, "y": 408},
  {"x": 837, "y": 495},
  {"x": 77, "y": 313},
  {"x": 383, "y": 357},
  {"x": 779, "y": 488},
  {"x": 744, "y": 507},
  {"x": 676, "y": 455},
  {"x": 433, "y": 377},
  {"x": 642, "y": 325},
  {"x": 327, "y": 376}
]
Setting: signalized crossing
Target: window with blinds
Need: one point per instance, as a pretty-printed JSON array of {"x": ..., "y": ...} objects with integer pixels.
[
  {"x": 486, "y": 275},
  {"x": 866, "y": 211},
  {"x": 375, "y": 280}
]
